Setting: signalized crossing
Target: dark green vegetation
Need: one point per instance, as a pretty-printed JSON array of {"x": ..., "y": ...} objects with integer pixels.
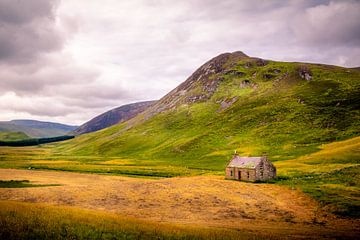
[
  {"x": 34, "y": 141},
  {"x": 22, "y": 184},
  {"x": 30, "y": 221},
  {"x": 35, "y": 129},
  {"x": 13, "y": 136},
  {"x": 288, "y": 110}
]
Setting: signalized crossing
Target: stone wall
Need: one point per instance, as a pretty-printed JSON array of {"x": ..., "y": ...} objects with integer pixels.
[
  {"x": 265, "y": 170},
  {"x": 245, "y": 174}
]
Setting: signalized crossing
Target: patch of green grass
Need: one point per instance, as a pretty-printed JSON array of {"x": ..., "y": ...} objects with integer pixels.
[
  {"x": 22, "y": 184},
  {"x": 338, "y": 191}
]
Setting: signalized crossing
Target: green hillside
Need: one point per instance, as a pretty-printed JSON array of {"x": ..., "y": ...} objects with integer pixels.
[
  {"x": 237, "y": 102},
  {"x": 13, "y": 136}
]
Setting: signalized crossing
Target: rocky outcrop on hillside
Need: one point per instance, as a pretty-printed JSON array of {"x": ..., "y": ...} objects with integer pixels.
[{"x": 202, "y": 84}]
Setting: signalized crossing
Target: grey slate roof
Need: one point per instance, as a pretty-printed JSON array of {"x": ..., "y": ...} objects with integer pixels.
[{"x": 244, "y": 162}]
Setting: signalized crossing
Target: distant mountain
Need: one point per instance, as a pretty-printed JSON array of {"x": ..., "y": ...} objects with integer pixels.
[
  {"x": 114, "y": 116},
  {"x": 44, "y": 125},
  {"x": 36, "y": 129}
]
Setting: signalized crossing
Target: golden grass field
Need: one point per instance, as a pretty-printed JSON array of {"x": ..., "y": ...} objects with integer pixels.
[{"x": 200, "y": 201}]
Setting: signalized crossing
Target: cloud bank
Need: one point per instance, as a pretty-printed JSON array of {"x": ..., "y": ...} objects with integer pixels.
[{"x": 69, "y": 60}]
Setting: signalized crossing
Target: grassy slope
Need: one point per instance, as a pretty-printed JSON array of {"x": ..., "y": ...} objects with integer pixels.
[
  {"x": 13, "y": 136},
  {"x": 331, "y": 175},
  {"x": 286, "y": 118}
]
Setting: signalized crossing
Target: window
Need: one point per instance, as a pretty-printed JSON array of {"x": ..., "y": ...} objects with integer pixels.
[{"x": 231, "y": 174}]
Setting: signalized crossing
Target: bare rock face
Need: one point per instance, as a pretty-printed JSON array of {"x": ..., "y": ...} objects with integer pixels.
[
  {"x": 247, "y": 83},
  {"x": 260, "y": 62},
  {"x": 226, "y": 103},
  {"x": 235, "y": 73},
  {"x": 305, "y": 73},
  {"x": 268, "y": 76}
]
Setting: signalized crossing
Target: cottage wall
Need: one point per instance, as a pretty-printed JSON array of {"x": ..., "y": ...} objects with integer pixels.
[
  {"x": 228, "y": 173},
  {"x": 243, "y": 174},
  {"x": 248, "y": 174},
  {"x": 265, "y": 170}
]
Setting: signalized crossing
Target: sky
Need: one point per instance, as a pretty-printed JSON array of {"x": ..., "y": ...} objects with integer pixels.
[{"x": 70, "y": 60}]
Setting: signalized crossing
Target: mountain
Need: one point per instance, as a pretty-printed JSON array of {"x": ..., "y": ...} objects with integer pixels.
[
  {"x": 114, "y": 116},
  {"x": 36, "y": 129},
  {"x": 253, "y": 105}
]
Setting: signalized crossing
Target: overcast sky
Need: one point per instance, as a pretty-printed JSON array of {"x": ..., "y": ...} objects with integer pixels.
[{"x": 71, "y": 60}]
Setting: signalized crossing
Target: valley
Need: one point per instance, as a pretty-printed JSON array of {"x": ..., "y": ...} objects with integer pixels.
[
  {"x": 253, "y": 210},
  {"x": 165, "y": 164}
]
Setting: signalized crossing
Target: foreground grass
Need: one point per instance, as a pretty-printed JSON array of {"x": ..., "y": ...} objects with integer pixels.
[{"x": 40, "y": 221}]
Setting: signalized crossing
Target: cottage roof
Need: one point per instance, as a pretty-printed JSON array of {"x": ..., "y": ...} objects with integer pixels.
[{"x": 244, "y": 162}]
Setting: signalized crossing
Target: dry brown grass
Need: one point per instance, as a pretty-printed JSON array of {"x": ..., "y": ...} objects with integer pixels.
[{"x": 202, "y": 200}]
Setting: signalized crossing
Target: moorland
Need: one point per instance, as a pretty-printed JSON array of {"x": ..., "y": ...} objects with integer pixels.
[{"x": 160, "y": 174}]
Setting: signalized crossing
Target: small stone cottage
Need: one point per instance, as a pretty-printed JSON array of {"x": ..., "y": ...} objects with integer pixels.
[{"x": 250, "y": 169}]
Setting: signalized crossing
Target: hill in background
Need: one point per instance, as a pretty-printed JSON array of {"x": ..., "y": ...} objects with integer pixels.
[
  {"x": 34, "y": 129},
  {"x": 112, "y": 117}
]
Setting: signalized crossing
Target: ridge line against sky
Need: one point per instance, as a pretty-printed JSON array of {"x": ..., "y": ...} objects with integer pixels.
[{"x": 68, "y": 61}]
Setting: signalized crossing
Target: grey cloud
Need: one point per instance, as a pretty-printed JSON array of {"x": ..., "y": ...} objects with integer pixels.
[
  {"x": 38, "y": 79},
  {"x": 27, "y": 29},
  {"x": 91, "y": 95},
  {"x": 333, "y": 24},
  {"x": 45, "y": 106},
  {"x": 24, "y": 11},
  {"x": 89, "y": 56}
]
